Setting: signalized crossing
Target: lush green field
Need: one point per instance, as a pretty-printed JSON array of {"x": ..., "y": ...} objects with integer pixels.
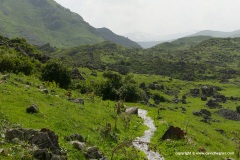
[{"x": 65, "y": 117}]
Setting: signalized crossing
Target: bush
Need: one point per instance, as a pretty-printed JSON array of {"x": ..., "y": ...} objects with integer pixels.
[
  {"x": 116, "y": 88},
  {"x": 16, "y": 64},
  {"x": 157, "y": 98},
  {"x": 238, "y": 109},
  {"x": 55, "y": 71}
]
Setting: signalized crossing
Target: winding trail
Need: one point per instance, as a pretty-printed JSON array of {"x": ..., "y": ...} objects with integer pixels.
[{"x": 142, "y": 142}]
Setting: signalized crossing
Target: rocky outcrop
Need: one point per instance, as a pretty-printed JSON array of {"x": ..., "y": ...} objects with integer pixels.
[
  {"x": 76, "y": 74},
  {"x": 173, "y": 133},
  {"x": 229, "y": 114},
  {"x": 207, "y": 90},
  {"x": 213, "y": 103},
  {"x": 206, "y": 112},
  {"x": 194, "y": 92},
  {"x": 94, "y": 153},
  {"x": 220, "y": 98},
  {"x": 45, "y": 140},
  {"x": 132, "y": 110},
  {"x": 74, "y": 137}
]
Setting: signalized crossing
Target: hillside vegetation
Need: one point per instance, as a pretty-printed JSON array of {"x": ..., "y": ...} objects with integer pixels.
[
  {"x": 85, "y": 91},
  {"x": 192, "y": 58}
]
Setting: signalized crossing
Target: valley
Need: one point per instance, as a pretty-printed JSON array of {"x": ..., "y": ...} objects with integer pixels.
[{"x": 72, "y": 91}]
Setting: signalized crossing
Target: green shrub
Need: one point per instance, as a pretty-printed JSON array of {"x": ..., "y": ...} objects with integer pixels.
[
  {"x": 55, "y": 71},
  {"x": 238, "y": 109},
  {"x": 16, "y": 64},
  {"x": 116, "y": 88}
]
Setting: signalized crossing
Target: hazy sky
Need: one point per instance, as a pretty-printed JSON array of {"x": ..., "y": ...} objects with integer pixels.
[{"x": 158, "y": 16}]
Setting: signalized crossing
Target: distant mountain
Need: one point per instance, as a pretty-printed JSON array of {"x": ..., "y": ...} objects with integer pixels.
[
  {"x": 148, "y": 44},
  {"x": 145, "y": 37},
  {"x": 45, "y": 21},
  {"x": 182, "y": 43},
  {"x": 110, "y": 36},
  {"x": 218, "y": 34}
]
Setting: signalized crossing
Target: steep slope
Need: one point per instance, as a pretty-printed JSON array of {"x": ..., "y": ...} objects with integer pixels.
[
  {"x": 42, "y": 21},
  {"x": 45, "y": 21},
  {"x": 110, "y": 36},
  {"x": 218, "y": 34}
]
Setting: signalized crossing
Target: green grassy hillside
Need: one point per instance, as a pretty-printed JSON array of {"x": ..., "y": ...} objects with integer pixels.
[
  {"x": 45, "y": 21},
  {"x": 207, "y": 111}
]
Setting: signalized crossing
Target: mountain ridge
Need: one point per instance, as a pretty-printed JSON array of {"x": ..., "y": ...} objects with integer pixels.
[{"x": 46, "y": 21}]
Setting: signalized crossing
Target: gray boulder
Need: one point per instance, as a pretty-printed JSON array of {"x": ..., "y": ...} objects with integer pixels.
[
  {"x": 196, "y": 113},
  {"x": 94, "y": 153},
  {"x": 32, "y": 109},
  {"x": 206, "y": 112},
  {"x": 132, "y": 110},
  {"x": 79, "y": 145}
]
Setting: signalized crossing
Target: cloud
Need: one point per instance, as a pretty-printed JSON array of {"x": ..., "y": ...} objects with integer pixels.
[{"x": 158, "y": 16}]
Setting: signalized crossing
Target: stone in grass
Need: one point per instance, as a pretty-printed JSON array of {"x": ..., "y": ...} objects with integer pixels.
[
  {"x": 32, "y": 109},
  {"x": 94, "y": 153},
  {"x": 79, "y": 145},
  {"x": 132, "y": 110},
  {"x": 74, "y": 137},
  {"x": 174, "y": 133}
]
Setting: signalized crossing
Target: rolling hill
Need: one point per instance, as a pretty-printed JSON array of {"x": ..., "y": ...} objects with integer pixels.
[
  {"x": 110, "y": 36},
  {"x": 218, "y": 34},
  {"x": 45, "y": 21}
]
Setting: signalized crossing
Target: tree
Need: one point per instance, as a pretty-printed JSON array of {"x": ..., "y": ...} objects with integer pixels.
[
  {"x": 116, "y": 88},
  {"x": 109, "y": 88},
  {"x": 55, "y": 71}
]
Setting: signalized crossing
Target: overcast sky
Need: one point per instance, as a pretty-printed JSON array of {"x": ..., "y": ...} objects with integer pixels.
[{"x": 158, "y": 16}]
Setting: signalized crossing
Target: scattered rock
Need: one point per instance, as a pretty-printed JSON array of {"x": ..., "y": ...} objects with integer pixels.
[
  {"x": 79, "y": 145},
  {"x": 3, "y": 152},
  {"x": 183, "y": 109},
  {"x": 15, "y": 140},
  {"x": 94, "y": 153},
  {"x": 229, "y": 114},
  {"x": 173, "y": 133},
  {"x": 42, "y": 139},
  {"x": 94, "y": 74},
  {"x": 201, "y": 149},
  {"x": 224, "y": 80},
  {"x": 195, "y": 92},
  {"x": 184, "y": 101},
  {"x": 32, "y": 109},
  {"x": 5, "y": 77},
  {"x": 220, "y": 98},
  {"x": 142, "y": 85},
  {"x": 132, "y": 110},
  {"x": 76, "y": 74},
  {"x": 204, "y": 98},
  {"x": 78, "y": 100},
  {"x": 44, "y": 91},
  {"x": 207, "y": 90},
  {"x": 74, "y": 137},
  {"x": 206, "y": 112},
  {"x": 176, "y": 100},
  {"x": 212, "y": 103},
  {"x": 58, "y": 157},
  {"x": 42, "y": 154},
  {"x": 196, "y": 113},
  {"x": 221, "y": 131}
]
